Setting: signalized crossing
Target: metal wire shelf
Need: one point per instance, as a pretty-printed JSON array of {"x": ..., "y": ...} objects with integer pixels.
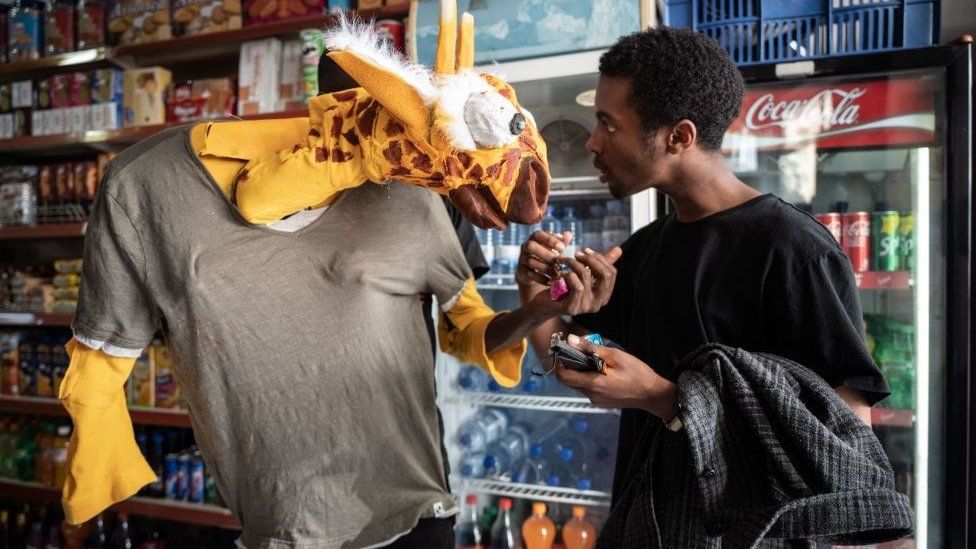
[
  {"x": 552, "y": 494},
  {"x": 577, "y": 405}
]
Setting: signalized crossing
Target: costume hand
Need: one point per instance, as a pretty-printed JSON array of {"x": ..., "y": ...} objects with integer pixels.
[
  {"x": 628, "y": 382},
  {"x": 590, "y": 278}
]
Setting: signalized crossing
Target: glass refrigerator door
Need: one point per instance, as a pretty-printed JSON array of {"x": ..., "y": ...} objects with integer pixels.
[
  {"x": 865, "y": 156},
  {"x": 540, "y": 441}
]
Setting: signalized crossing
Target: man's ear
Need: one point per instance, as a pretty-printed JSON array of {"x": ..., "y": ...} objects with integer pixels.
[{"x": 683, "y": 136}]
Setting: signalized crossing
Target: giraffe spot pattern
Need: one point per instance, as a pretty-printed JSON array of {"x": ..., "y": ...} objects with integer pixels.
[
  {"x": 321, "y": 155},
  {"x": 400, "y": 171},
  {"x": 345, "y": 96},
  {"x": 476, "y": 173},
  {"x": 336, "y": 127},
  {"x": 421, "y": 162},
  {"x": 453, "y": 167},
  {"x": 351, "y": 137},
  {"x": 393, "y": 128},
  {"x": 314, "y": 132},
  {"x": 465, "y": 159},
  {"x": 394, "y": 154},
  {"x": 339, "y": 155},
  {"x": 367, "y": 118}
]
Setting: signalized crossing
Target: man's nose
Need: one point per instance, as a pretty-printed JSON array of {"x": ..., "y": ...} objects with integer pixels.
[{"x": 592, "y": 143}]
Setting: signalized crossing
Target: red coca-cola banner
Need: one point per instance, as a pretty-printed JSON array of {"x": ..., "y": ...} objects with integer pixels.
[{"x": 898, "y": 111}]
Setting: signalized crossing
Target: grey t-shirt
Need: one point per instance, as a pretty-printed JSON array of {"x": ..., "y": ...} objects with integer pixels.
[{"x": 303, "y": 356}]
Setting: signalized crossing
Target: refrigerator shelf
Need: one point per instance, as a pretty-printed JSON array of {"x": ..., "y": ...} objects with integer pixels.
[
  {"x": 577, "y": 405},
  {"x": 885, "y": 280},
  {"x": 533, "y": 492}
]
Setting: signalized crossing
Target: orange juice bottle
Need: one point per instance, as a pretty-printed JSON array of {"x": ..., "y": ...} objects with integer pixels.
[
  {"x": 578, "y": 533},
  {"x": 538, "y": 532}
]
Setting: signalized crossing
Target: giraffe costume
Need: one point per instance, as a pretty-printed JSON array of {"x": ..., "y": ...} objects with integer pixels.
[{"x": 456, "y": 132}]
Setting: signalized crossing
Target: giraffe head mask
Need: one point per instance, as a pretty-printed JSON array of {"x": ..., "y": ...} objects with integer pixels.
[{"x": 450, "y": 129}]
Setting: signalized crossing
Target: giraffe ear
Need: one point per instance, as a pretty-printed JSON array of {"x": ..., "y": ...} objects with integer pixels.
[
  {"x": 465, "y": 46},
  {"x": 395, "y": 93}
]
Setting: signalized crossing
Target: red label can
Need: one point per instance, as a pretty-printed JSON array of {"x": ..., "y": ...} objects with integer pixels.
[
  {"x": 856, "y": 240},
  {"x": 391, "y": 31},
  {"x": 833, "y": 223}
]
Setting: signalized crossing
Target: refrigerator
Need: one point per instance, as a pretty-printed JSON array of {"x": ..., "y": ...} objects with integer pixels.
[
  {"x": 542, "y": 418},
  {"x": 879, "y": 147}
]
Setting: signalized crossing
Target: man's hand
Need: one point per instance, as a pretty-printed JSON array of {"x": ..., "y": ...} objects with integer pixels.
[
  {"x": 590, "y": 278},
  {"x": 628, "y": 382}
]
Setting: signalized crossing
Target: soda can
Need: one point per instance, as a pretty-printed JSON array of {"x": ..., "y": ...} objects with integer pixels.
[
  {"x": 856, "y": 240},
  {"x": 833, "y": 223},
  {"x": 197, "y": 485},
  {"x": 182, "y": 477},
  {"x": 171, "y": 472},
  {"x": 906, "y": 235},
  {"x": 391, "y": 31},
  {"x": 884, "y": 228},
  {"x": 210, "y": 488}
]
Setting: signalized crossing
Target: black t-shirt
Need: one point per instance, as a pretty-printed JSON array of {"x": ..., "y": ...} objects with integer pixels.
[{"x": 763, "y": 276}]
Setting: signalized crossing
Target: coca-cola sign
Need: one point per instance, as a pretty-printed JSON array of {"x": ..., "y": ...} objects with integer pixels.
[{"x": 897, "y": 111}]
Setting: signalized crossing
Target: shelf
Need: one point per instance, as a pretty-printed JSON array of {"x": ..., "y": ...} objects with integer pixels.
[
  {"x": 890, "y": 417},
  {"x": 884, "y": 280},
  {"x": 177, "y": 50},
  {"x": 506, "y": 287},
  {"x": 97, "y": 141},
  {"x": 577, "y": 405},
  {"x": 38, "y": 232},
  {"x": 177, "y": 511},
  {"x": 27, "y": 319},
  {"x": 531, "y": 492},
  {"x": 74, "y": 61},
  {"x": 45, "y": 406}
]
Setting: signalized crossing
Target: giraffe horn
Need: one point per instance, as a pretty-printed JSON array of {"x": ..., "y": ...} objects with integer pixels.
[
  {"x": 446, "y": 38},
  {"x": 465, "y": 51}
]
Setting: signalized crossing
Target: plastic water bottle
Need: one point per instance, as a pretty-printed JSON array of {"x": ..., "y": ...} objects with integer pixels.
[
  {"x": 486, "y": 238},
  {"x": 502, "y": 455},
  {"x": 472, "y": 465},
  {"x": 532, "y": 384},
  {"x": 533, "y": 468},
  {"x": 507, "y": 252},
  {"x": 558, "y": 474},
  {"x": 616, "y": 225},
  {"x": 481, "y": 429},
  {"x": 473, "y": 378},
  {"x": 550, "y": 223},
  {"x": 572, "y": 224},
  {"x": 593, "y": 229}
]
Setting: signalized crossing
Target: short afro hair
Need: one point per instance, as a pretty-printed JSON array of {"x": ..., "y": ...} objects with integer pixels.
[{"x": 678, "y": 74}]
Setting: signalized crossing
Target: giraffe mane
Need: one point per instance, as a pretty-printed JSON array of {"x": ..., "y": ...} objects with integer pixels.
[{"x": 361, "y": 38}]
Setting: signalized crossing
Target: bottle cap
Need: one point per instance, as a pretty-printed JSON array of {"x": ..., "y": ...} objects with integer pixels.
[
  {"x": 471, "y": 499},
  {"x": 579, "y": 512},
  {"x": 538, "y": 508},
  {"x": 505, "y": 504}
]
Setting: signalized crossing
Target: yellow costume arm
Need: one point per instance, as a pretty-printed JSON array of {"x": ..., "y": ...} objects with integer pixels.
[
  {"x": 462, "y": 334},
  {"x": 105, "y": 465}
]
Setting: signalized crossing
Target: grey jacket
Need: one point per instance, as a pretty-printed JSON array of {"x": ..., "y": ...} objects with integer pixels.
[{"x": 769, "y": 455}]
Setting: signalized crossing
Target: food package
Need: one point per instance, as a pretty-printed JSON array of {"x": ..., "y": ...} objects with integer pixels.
[
  {"x": 167, "y": 392},
  {"x": 259, "y": 77},
  {"x": 25, "y": 31},
  {"x": 91, "y": 24},
  {"x": 259, "y": 12},
  {"x": 107, "y": 99},
  {"x": 138, "y": 21},
  {"x": 68, "y": 266},
  {"x": 192, "y": 17},
  {"x": 142, "y": 381},
  {"x": 292, "y": 89},
  {"x": 201, "y": 99},
  {"x": 59, "y": 27},
  {"x": 144, "y": 96}
]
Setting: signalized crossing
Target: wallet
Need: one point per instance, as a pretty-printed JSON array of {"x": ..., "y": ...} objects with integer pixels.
[{"x": 575, "y": 359}]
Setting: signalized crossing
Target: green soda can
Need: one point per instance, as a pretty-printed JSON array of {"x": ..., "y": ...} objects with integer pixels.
[
  {"x": 884, "y": 232},
  {"x": 313, "y": 47},
  {"x": 906, "y": 241}
]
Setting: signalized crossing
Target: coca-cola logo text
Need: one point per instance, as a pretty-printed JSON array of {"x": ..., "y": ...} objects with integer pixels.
[
  {"x": 858, "y": 230},
  {"x": 826, "y": 109}
]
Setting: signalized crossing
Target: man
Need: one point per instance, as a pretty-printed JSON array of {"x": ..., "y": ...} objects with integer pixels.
[{"x": 730, "y": 266}]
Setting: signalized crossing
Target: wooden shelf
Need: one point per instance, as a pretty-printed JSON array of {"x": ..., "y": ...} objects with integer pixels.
[
  {"x": 176, "y": 511},
  {"x": 884, "y": 280},
  {"x": 891, "y": 417},
  {"x": 43, "y": 231},
  {"x": 177, "y": 50},
  {"x": 44, "y": 406},
  {"x": 28, "y": 319}
]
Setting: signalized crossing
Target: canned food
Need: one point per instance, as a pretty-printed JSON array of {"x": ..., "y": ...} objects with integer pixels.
[
  {"x": 856, "y": 240},
  {"x": 906, "y": 236},
  {"x": 885, "y": 254},
  {"x": 171, "y": 472},
  {"x": 833, "y": 223}
]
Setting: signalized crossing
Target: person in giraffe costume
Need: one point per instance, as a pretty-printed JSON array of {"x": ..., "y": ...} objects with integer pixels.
[{"x": 281, "y": 261}]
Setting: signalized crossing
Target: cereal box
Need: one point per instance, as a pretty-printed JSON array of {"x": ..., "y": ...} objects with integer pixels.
[
  {"x": 138, "y": 21},
  {"x": 106, "y": 94},
  {"x": 25, "y": 31},
  {"x": 191, "y": 17},
  {"x": 91, "y": 24},
  {"x": 143, "y": 96},
  {"x": 59, "y": 27}
]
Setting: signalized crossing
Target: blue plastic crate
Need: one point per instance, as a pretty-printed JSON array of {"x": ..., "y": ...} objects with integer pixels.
[{"x": 762, "y": 31}]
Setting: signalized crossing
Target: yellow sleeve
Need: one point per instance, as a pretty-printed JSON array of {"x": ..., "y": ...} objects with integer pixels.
[
  {"x": 462, "y": 334},
  {"x": 105, "y": 465}
]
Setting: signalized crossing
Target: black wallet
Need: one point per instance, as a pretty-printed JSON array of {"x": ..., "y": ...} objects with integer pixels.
[{"x": 575, "y": 359}]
